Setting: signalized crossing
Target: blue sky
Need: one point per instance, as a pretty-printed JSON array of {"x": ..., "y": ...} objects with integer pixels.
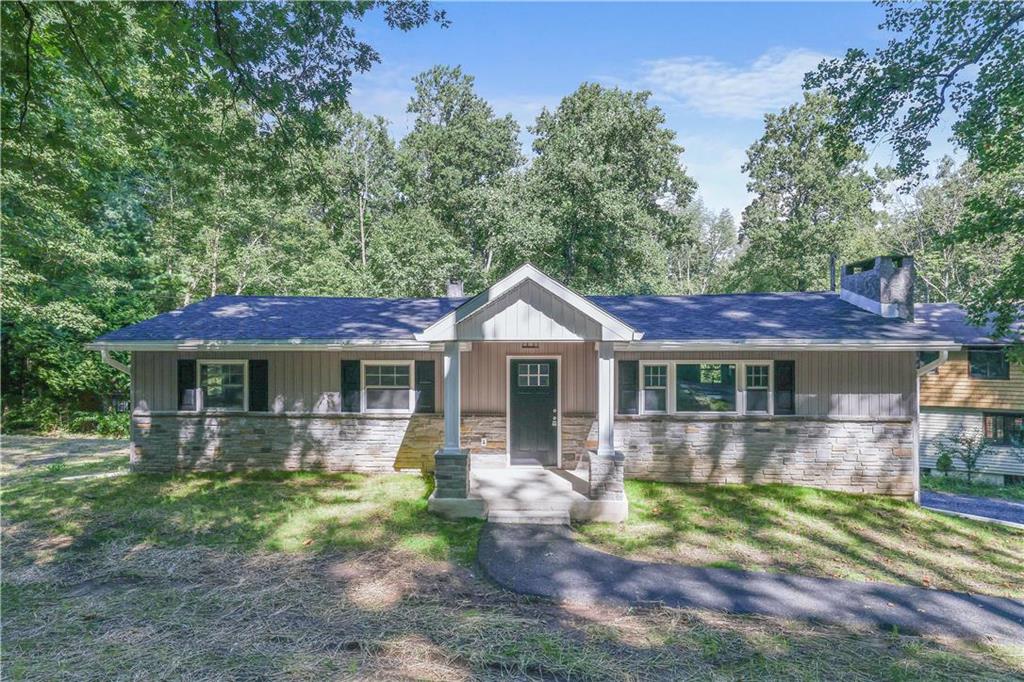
[{"x": 714, "y": 69}]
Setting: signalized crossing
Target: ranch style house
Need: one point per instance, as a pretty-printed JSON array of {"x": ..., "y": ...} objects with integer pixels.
[{"x": 529, "y": 400}]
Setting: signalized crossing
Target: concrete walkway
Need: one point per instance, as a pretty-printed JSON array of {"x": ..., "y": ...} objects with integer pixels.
[
  {"x": 975, "y": 507},
  {"x": 545, "y": 561}
]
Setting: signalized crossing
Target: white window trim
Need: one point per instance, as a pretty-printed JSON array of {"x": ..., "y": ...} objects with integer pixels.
[
  {"x": 201, "y": 394},
  {"x": 669, "y": 383},
  {"x": 362, "y": 386},
  {"x": 741, "y": 386},
  {"x": 770, "y": 364}
]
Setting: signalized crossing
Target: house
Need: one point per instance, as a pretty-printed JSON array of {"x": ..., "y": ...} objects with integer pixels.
[
  {"x": 531, "y": 391},
  {"x": 978, "y": 391}
]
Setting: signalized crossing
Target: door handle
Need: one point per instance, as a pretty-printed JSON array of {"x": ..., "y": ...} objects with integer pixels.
[{"x": 554, "y": 417}]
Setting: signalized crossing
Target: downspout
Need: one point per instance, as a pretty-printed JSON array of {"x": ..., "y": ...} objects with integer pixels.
[
  {"x": 116, "y": 364},
  {"x": 921, "y": 371}
]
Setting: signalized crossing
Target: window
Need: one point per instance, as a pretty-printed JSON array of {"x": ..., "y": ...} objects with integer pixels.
[
  {"x": 655, "y": 388},
  {"x": 387, "y": 387},
  {"x": 988, "y": 364},
  {"x": 756, "y": 388},
  {"x": 706, "y": 387},
  {"x": 1005, "y": 429},
  {"x": 926, "y": 356},
  {"x": 534, "y": 374},
  {"x": 222, "y": 385},
  {"x": 784, "y": 401}
]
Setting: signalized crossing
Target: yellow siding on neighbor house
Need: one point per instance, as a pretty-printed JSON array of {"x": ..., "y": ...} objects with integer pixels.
[{"x": 951, "y": 385}]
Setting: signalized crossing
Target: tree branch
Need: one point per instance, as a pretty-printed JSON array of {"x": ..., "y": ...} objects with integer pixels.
[
  {"x": 92, "y": 67},
  {"x": 977, "y": 54},
  {"x": 28, "y": 65}
]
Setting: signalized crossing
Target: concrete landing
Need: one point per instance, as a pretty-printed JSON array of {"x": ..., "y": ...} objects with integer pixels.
[{"x": 539, "y": 496}]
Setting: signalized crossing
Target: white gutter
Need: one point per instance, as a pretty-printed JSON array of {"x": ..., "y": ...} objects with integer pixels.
[
  {"x": 116, "y": 364},
  {"x": 941, "y": 360},
  {"x": 787, "y": 345},
  {"x": 264, "y": 345}
]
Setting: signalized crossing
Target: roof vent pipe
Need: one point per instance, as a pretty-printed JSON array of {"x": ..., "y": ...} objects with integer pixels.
[{"x": 455, "y": 289}]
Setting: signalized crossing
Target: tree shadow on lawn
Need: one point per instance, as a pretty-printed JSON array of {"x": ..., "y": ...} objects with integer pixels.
[
  {"x": 310, "y": 575},
  {"x": 814, "y": 532}
]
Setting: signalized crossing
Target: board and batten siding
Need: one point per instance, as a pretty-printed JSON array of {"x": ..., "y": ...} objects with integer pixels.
[
  {"x": 298, "y": 381},
  {"x": 936, "y": 425},
  {"x": 830, "y": 383},
  {"x": 528, "y": 313},
  {"x": 485, "y": 373},
  {"x": 951, "y": 385}
]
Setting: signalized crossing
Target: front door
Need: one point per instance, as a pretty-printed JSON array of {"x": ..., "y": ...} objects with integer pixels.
[{"x": 533, "y": 412}]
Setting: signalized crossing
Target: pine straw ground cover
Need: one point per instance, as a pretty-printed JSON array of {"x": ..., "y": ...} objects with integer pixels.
[
  {"x": 307, "y": 576},
  {"x": 806, "y": 531}
]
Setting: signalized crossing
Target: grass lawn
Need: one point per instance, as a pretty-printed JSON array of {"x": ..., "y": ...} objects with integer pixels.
[
  {"x": 960, "y": 486},
  {"x": 109, "y": 575},
  {"x": 789, "y": 529}
]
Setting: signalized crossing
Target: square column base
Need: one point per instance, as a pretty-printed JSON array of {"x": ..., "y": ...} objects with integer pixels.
[{"x": 451, "y": 474}]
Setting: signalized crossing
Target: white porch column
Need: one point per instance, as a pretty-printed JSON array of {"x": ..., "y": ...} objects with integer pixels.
[
  {"x": 605, "y": 399},
  {"x": 452, "y": 399}
]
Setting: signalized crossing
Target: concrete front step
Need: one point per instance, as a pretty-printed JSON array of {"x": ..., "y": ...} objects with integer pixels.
[{"x": 528, "y": 516}]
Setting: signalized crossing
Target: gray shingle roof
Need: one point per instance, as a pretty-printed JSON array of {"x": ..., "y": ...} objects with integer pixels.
[
  {"x": 950, "y": 320},
  {"x": 737, "y": 317},
  {"x": 814, "y": 316},
  {"x": 249, "y": 318}
]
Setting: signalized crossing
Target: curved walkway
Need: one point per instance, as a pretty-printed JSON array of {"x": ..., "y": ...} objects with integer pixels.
[
  {"x": 982, "y": 508},
  {"x": 545, "y": 561}
]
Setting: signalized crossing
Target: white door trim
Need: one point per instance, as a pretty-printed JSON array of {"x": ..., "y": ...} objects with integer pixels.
[{"x": 508, "y": 405}]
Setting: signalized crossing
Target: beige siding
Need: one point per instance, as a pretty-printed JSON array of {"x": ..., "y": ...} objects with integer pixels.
[
  {"x": 485, "y": 370},
  {"x": 938, "y": 425},
  {"x": 529, "y": 313},
  {"x": 837, "y": 384},
  {"x": 299, "y": 381},
  {"x": 951, "y": 385},
  {"x": 828, "y": 383}
]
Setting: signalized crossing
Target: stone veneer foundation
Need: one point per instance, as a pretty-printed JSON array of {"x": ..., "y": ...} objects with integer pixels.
[{"x": 873, "y": 455}]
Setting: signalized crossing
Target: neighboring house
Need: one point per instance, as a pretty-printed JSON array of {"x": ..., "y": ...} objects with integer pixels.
[
  {"x": 812, "y": 389},
  {"x": 977, "y": 391}
]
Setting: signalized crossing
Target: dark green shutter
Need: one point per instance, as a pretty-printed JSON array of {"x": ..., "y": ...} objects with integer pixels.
[
  {"x": 259, "y": 391},
  {"x": 424, "y": 385},
  {"x": 629, "y": 386},
  {"x": 785, "y": 387},
  {"x": 187, "y": 385},
  {"x": 350, "y": 381}
]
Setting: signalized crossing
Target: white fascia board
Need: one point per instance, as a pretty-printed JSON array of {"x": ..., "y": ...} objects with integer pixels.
[
  {"x": 613, "y": 329},
  {"x": 263, "y": 345},
  {"x": 786, "y": 345}
]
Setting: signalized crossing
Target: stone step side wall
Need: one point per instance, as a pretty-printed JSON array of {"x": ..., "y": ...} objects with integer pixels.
[{"x": 852, "y": 455}]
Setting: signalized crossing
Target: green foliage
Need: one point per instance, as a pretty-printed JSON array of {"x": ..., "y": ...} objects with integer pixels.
[
  {"x": 701, "y": 265},
  {"x": 810, "y": 201},
  {"x": 605, "y": 176},
  {"x": 944, "y": 462},
  {"x": 964, "y": 59},
  {"x": 967, "y": 448}
]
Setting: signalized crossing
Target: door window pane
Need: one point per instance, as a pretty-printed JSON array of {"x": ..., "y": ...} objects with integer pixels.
[
  {"x": 534, "y": 374},
  {"x": 706, "y": 387}
]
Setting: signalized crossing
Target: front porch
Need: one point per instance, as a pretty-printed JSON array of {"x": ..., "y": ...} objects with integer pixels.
[{"x": 535, "y": 352}]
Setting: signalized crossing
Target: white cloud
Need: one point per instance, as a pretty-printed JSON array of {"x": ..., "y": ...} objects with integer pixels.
[{"x": 715, "y": 88}]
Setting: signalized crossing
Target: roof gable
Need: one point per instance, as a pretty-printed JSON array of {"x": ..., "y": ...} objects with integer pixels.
[{"x": 528, "y": 305}]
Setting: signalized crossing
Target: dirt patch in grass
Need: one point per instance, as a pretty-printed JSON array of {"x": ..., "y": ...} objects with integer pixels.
[{"x": 813, "y": 532}]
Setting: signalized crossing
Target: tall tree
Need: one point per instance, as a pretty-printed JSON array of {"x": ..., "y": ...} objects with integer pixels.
[
  {"x": 605, "y": 176},
  {"x": 922, "y": 223},
  {"x": 456, "y": 156},
  {"x": 700, "y": 266},
  {"x": 810, "y": 201},
  {"x": 958, "y": 59},
  {"x": 115, "y": 116}
]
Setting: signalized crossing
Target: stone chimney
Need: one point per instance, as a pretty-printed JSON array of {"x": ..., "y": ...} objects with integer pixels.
[
  {"x": 455, "y": 289},
  {"x": 882, "y": 285}
]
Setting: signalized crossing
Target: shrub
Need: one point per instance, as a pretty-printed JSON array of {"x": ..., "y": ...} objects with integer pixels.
[
  {"x": 969, "y": 448},
  {"x": 944, "y": 462}
]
